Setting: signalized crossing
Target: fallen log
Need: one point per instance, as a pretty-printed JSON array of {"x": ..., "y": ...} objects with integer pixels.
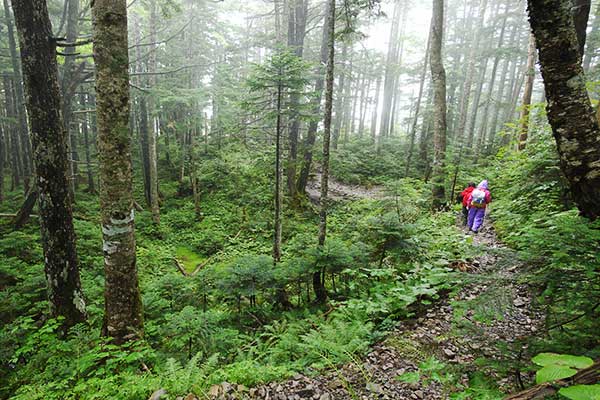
[
  {"x": 180, "y": 267},
  {"x": 587, "y": 376}
]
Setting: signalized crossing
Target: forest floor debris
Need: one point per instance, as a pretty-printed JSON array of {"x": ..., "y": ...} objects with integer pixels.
[{"x": 490, "y": 317}]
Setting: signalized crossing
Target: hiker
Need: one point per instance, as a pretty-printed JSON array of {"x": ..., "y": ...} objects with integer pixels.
[
  {"x": 477, "y": 202},
  {"x": 462, "y": 198}
]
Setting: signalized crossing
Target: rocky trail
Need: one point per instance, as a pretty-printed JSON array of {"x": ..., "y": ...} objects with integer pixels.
[
  {"x": 339, "y": 191},
  {"x": 490, "y": 317}
]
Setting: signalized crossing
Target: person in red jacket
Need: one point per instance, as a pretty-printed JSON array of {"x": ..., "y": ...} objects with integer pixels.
[
  {"x": 463, "y": 197},
  {"x": 477, "y": 203}
]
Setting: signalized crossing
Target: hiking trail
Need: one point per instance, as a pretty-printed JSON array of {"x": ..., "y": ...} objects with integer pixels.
[{"x": 491, "y": 311}]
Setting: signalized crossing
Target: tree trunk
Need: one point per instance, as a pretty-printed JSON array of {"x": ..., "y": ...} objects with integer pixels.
[
  {"x": 466, "y": 90},
  {"x": 390, "y": 70},
  {"x": 413, "y": 129},
  {"x": 311, "y": 135},
  {"x": 88, "y": 158},
  {"x": 69, "y": 84},
  {"x": 484, "y": 120},
  {"x": 344, "y": 81},
  {"x": 592, "y": 43},
  {"x": 296, "y": 33},
  {"x": 19, "y": 104},
  {"x": 319, "y": 287},
  {"x": 500, "y": 99},
  {"x": 2, "y": 158},
  {"x": 277, "y": 195},
  {"x": 530, "y": 77},
  {"x": 16, "y": 159},
  {"x": 438, "y": 77},
  {"x": 569, "y": 110},
  {"x": 375, "y": 108},
  {"x": 40, "y": 72},
  {"x": 581, "y": 14},
  {"x": 152, "y": 153},
  {"x": 123, "y": 319}
]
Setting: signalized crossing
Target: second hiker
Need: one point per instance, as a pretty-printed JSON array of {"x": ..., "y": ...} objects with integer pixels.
[{"x": 477, "y": 202}]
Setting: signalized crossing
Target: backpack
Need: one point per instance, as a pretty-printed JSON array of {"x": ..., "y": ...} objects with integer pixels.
[{"x": 478, "y": 198}]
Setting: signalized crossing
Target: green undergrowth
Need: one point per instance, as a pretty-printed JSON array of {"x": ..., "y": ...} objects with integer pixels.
[{"x": 384, "y": 260}]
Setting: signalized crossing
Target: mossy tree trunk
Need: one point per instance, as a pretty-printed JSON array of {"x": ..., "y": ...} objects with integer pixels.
[
  {"x": 123, "y": 307},
  {"x": 40, "y": 73},
  {"x": 438, "y": 76},
  {"x": 569, "y": 110}
]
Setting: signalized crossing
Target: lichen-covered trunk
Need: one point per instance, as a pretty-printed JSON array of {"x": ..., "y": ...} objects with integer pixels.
[
  {"x": 40, "y": 73},
  {"x": 122, "y": 303},
  {"x": 311, "y": 135},
  {"x": 569, "y": 111},
  {"x": 530, "y": 77},
  {"x": 438, "y": 76},
  {"x": 319, "y": 287}
]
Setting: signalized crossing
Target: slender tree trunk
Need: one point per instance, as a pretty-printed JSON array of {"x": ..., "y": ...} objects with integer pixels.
[
  {"x": 415, "y": 121},
  {"x": 340, "y": 99},
  {"x": 484, "y": 119},
  {"x": 152, "y": 153},
  {"x": 69, "y": 84},
  {"x": 2, "y": 162},
  {"x": 277, "y": 195},
  {"x": 15, "y": 142},
  {"x": 375, "y": 108},
  {"x": 438, "y": 76},
  {"x": 123, "y": 318},
  {"x": 500, "y": 99},
  {"x": 592, "y": 43},
  {"x": 25, "y": 151},
  {"x": 530, "y": 74},
  {"x": 296, "y": 33},
  {"x": 390, "y": 70},
  {"x": 319, "y": 288},
  {"x": 463, "y": 112},
  {"x": 476, "y": 100},
  {"x": 569, "y": 110},
  {"x": 40, "y": 72},
  {"x": 88, "y": 158},
  {"x": 581, "y": 14},
  {"x": 311, "y": 135}
]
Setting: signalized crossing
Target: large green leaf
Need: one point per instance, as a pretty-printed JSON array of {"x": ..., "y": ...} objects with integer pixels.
[
  {"x": 567, "y": 360},
  {"x": 554, "y": 372},
  {"x": 581, "y": 392}
]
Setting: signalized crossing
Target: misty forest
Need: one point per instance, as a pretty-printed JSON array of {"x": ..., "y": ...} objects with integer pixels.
[{"x": 299, "y": 199}]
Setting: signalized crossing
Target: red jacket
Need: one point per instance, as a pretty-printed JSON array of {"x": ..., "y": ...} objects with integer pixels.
[{"x": 465, "y": 194}]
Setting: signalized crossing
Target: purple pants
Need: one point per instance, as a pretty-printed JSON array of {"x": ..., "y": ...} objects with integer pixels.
[{"x": 475, "y": 220}]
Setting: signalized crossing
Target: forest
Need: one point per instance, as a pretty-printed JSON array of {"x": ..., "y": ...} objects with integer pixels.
[{"x": 299, "y": 199}]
